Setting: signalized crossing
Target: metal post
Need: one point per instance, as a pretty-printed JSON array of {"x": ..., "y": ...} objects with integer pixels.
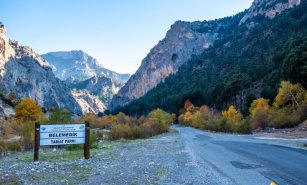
[
  {"x": 36, "y": 141},
  {"x": 87, "y": 141}
]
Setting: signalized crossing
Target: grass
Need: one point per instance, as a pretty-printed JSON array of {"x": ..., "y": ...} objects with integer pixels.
[{"x": 162, "y": 174}]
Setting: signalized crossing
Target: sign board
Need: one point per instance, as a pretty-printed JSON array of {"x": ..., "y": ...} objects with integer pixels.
[{"x": 62, "y": 134}]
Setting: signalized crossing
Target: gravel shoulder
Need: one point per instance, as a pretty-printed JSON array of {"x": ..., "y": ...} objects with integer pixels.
[{"x": 163, "y": 159}]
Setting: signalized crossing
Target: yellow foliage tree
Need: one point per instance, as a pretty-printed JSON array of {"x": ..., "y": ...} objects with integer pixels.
[
  {"x": 260, "y": 103},
  {"x": 232, "y": 115},
  {"x": 260, "y": 112},
  {"x": 28, "y": 111},
  {"x": 290, "y": 94}
]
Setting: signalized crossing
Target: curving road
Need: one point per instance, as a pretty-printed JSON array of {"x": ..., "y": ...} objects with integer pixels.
[{"x": 246, "y": 159}]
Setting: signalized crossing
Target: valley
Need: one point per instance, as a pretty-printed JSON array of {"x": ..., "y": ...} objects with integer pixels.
[{"x": 217, "y": 101}]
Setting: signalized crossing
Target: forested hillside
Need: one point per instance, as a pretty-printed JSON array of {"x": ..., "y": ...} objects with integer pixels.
[{"x": 249, "y": 62}]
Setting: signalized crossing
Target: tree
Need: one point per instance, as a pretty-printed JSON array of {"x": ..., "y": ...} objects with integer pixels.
[
  {"x": 260, "y": 112},
  {"x": 289, "y": 94},
  {"x": 60, "y": 116},
  {"x": 232, "y": 116},
  {"x": 28, "y": 111}
]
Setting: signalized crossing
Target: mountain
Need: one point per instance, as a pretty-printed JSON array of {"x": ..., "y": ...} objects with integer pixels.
[
  {"x": 94, "y": 85},
  {"x": 79, "y": 66},
  {"x": 264, "y": 45},
  {"x": 183, "y": 40},
  {"x": 26, "y": 74}
]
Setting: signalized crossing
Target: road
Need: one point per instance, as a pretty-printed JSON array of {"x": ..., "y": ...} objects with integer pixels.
[{"x": 246, "y": 160}]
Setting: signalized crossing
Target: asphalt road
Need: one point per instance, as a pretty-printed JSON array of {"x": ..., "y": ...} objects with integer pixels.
[{"x": 246, "y": 159}]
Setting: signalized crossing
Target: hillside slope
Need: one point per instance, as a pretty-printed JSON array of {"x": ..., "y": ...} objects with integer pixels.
[{"x": 248, "y": 62}]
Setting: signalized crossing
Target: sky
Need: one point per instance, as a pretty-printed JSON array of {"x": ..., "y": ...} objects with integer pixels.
[{"x": 118, "y": 33}]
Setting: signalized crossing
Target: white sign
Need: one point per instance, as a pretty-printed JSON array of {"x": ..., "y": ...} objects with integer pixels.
[{"x": 62, "y": 134}]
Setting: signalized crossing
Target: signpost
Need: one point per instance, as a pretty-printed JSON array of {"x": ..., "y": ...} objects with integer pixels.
[{"x": 62, "y": 134}]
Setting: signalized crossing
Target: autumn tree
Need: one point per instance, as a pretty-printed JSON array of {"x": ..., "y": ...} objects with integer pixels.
[
  {"x": 259, "y": 111},
  {"x": 27, "y": 112},
  {"x": 290, "y": 95},
  {"x": 232, "y": 115}
]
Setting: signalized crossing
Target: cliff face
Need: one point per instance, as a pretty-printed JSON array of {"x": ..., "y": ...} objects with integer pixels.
[
  {"x": 88, "y": 102},
  {"x": 182, "y": 41},
  {"x": 26, "y": 74},
  {"x": 96, "y": 93}
]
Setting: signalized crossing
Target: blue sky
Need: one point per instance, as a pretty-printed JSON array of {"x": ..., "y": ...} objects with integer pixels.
[{"x": 119, "y": 33}]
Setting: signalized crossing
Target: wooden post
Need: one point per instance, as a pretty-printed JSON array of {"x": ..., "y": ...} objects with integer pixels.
[
  {"x": 36, "y": 141},
  {"x": 87, "y": 141}
]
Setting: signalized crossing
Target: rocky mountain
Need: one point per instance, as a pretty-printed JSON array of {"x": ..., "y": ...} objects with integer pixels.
[
  {"x": 26, "y": 74},
  {"x": 94, "y": 85},
  {"x": 77, "y": 65},
  {"x": 100, "y": 86},
  {"x": 248, "y": 59},
  {"x": 88, "y": 102},
  {"x": 183, "y": 40},
  {"x": 94, "y": 94}
]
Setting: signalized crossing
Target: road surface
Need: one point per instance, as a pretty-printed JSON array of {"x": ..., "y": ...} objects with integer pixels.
[{"x": 245, "y": 159}]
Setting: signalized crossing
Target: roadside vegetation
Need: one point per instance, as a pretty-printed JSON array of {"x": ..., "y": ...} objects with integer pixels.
[
  {"x": 288, "y": 110},
  {"x": 17, "y": 133}
]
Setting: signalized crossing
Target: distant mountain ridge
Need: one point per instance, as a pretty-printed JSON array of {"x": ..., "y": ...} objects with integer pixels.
[
  {"x": 26, "y": 74},
  {"x": 93, "y": 86},
  {"x": 79, "y": 65}
]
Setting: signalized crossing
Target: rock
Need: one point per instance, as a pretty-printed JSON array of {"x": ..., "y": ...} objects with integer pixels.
[{"x": 88, "y": 102}]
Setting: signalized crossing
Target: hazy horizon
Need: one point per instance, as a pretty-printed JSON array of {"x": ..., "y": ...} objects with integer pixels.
[{"x": 119, "y": 34}]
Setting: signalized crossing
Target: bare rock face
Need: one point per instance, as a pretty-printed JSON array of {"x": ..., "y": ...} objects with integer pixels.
[
  {"x": 99, "y": 87},
  {"x": 26, "y": 74},
  {"x": 182, "y": 41},
  {"x": 5, "y": 110},
  {"x": 268, "y": 8},
  {"x": 88, "y": 102}
]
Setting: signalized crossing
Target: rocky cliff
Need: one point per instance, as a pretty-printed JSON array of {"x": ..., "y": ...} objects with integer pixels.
[
  {"x": 79, "y": 66},
  {"x": 183, "y": 40},
  {"x": 88, "y": 102},
  {"x": 100, "y": 88},
  {"x": 26, "y": 74}
]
